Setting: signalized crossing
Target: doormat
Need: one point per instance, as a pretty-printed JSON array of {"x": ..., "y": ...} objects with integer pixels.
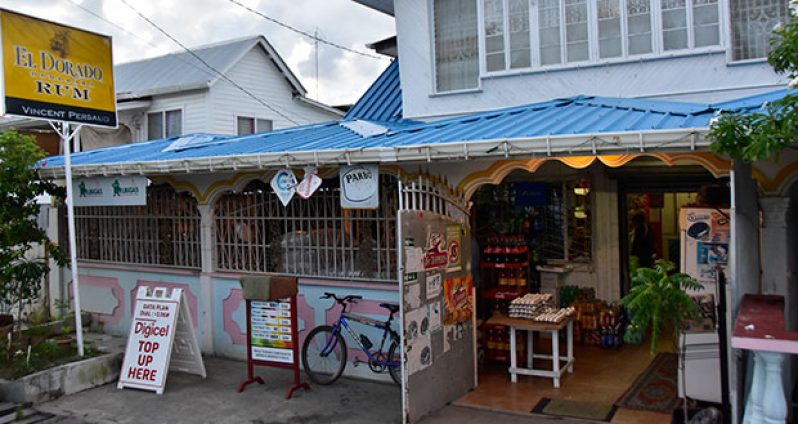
[
  {"x": 575, "y": 409},
  {"x": 655, "y": 388}
]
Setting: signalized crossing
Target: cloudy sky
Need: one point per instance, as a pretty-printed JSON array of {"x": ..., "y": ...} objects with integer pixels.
[{"x": 343, "y": 76}]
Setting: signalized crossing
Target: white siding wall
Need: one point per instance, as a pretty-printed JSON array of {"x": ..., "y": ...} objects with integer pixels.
[
  {"x": 702, "y": 78},
  {"x": 193, "y": 105},
  {"x": 135, "y": 120},
  {"x": 260, "y": 76}
]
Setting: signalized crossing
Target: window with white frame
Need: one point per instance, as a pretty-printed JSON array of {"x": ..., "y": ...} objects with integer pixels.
[
  {"x": 164, "y": 124},
  {"x": 246, "y": 125},
  {"x": 752, "y": 23},
  {"x": 579, "y": 31},
  {"x": 456, "y": 47}
]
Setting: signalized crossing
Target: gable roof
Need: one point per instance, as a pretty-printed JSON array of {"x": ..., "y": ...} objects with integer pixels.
[
  {"x": 383, "y": 99},
  {"x": 181, "y": 71}
]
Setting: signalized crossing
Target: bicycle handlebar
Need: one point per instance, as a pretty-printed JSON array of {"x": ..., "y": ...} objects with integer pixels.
[{"x": 347, "y": 298}]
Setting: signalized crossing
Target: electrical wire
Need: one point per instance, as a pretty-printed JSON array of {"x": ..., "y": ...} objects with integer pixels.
[
  {"x": 121, "y": 28},
  {"x": 196, "y": 56},
  {"x": 307, "y": 34}
]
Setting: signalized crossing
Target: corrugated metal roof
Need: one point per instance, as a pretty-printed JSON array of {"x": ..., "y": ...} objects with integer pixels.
[
  {"x": 578, "y": 115},
  {"x": 181, "y": 71},
  {"x": 755, "y": 103},
  {"x": 383, "y": 100}
]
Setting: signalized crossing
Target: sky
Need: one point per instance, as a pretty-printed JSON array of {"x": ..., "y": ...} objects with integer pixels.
[{"x": 343, "y": 76}]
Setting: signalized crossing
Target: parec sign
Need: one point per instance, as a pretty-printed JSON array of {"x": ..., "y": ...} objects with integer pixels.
[{"x": 56, "y": 72}]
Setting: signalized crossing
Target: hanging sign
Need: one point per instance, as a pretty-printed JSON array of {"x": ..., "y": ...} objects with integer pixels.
[
  {"x": 161, "y": 330},
  {"x": 360, "y": 188},
  {"x": 112, "y": 191},
  {"x": 284, "y": 185},
  {"x": 309, "y": 184},
  {"x": 56, "y": 72}
]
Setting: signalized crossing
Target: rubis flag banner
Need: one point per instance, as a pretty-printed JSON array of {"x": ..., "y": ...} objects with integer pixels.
[{"x": 56, "y": 72}]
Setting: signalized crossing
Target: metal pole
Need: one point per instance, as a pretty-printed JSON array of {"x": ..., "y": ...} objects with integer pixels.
[{"x": 73, "y": 250}]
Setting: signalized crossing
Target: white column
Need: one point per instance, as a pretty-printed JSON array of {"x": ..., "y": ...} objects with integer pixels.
[
  {"x": 774, "y": 403},
  {"x": 206, "y": 283},
  {"x": 753, "y": 406}
]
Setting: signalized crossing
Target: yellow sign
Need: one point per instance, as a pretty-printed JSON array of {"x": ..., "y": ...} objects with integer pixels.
[{"x": 56, "y": 72}]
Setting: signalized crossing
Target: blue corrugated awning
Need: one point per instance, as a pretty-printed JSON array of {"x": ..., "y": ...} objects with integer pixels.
[{"x": 570, "y": 126}]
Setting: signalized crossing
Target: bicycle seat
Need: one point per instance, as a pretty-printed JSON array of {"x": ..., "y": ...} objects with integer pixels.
[{"x": 391, "y": 307}]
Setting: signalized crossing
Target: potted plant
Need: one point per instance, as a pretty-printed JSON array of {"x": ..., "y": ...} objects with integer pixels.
[{"x": 658, "y": 299}]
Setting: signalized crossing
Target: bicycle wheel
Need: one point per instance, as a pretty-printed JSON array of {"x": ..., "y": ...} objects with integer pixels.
[
  {"x": 324, "y": 355},
  {"x": 395, "y": 371}
]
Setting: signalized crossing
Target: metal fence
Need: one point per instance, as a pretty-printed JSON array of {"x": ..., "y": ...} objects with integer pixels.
[
  {"x": 166, "y": 231},
  {"x": 313, "y": 237}
]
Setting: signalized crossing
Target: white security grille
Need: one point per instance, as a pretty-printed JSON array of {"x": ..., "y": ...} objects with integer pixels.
[
  {"x": 424, "y": 194},
  {"x": 313, "y": 237},
  {"x": 164, "y": 232}
]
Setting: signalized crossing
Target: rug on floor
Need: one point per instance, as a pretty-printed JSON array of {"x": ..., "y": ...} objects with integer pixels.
[
  {"x": 575, "y": 409},
  {"x": 655, "y": 388}
]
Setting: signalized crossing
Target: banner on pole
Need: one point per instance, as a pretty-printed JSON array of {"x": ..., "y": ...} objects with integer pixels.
[
  {"x": 110, "y": 191},
  {"x": 56, "y": 72}
]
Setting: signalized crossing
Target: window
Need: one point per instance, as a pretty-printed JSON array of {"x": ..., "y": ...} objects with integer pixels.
[
  {"x": 577, "y": 31},
  {"x": 164, "y": 124},
  {"x": 456, "y": 45},
  {"x": 752, "y": 26},
  {"x": 166, "y": 231},
  {"x": 313, "y": 237},
  {"x": 245, "y": 125}
]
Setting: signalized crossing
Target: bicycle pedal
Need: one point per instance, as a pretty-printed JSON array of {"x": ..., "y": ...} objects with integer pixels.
[{"x": 357, "y": 362}]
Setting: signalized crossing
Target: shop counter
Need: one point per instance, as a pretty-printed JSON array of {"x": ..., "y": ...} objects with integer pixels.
[{"x": 564, "y": 363}]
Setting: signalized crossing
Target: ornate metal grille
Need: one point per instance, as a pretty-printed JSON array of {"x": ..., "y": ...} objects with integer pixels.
[
  {"x": 164, "y": 232},
  {"x": 313, "y": 237}
]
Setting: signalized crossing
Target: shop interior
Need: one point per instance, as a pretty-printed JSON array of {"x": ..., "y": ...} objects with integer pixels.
[{"x": 572, "y": 235}]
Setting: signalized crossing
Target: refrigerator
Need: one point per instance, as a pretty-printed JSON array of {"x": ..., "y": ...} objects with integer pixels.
[{"x": 705, "y": 236}]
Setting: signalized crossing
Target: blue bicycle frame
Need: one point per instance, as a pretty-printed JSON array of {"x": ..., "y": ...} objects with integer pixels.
[{"x": 343, "y": 323}]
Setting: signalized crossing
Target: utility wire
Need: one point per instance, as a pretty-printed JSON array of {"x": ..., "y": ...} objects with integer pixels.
[
  {"x": 121, "y": 28},
  {"x": 307, "y": 34},
  {"x": 196, "y": 56}
]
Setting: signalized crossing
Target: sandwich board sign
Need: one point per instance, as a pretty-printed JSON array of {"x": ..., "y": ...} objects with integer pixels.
[{"x": 161, "y": 338}]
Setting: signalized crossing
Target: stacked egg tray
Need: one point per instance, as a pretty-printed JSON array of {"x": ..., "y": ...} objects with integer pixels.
[{"x": 538, "y": 307}]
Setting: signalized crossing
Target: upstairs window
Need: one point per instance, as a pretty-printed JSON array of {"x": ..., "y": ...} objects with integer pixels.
[
  {"x": 164, "y": 124},
  {"x": 246, "y": 125},
  {"x": 456, "y": 45},
  {"x": 752, "y": 23},
  {"x": 583, "y": 31}
]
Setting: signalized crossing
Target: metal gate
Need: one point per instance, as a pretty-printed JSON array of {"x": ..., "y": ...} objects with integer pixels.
[{"x": 438, "y": 336}]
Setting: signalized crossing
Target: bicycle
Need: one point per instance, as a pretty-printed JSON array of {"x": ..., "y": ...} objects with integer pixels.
[{"x": 324, "y": 351}]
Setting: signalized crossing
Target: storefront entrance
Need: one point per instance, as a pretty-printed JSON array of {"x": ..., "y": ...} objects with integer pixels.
[{"x": 559, "y": 240}]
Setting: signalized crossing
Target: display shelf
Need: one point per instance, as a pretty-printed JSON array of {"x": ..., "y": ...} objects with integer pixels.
[
  {"x": 500, "y": 294},
  {"x": 504, "y": 265},
  {"x": 518, "y": 250}
]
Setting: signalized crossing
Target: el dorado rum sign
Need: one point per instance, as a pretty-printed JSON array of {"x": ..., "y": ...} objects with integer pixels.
[{"x": 56, "y": 72}]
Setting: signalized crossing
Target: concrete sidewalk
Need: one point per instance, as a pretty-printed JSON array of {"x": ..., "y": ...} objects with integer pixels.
[{"x": 190, "y": 399}]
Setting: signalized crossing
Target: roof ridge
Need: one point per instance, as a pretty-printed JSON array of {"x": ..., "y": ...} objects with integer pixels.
[{"x": 193, "y": 48}]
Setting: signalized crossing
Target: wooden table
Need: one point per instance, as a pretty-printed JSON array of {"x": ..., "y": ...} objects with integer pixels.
[{"x": 531, "y": 327}]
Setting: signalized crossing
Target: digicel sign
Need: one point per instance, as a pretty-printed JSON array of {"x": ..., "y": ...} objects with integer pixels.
[
  {"x": 56, "y": 72},
  {"x": 147, "y": 354}
]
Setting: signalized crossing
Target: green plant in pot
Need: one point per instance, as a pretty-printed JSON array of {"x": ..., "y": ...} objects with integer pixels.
[{"x": 658, "y": 299}]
